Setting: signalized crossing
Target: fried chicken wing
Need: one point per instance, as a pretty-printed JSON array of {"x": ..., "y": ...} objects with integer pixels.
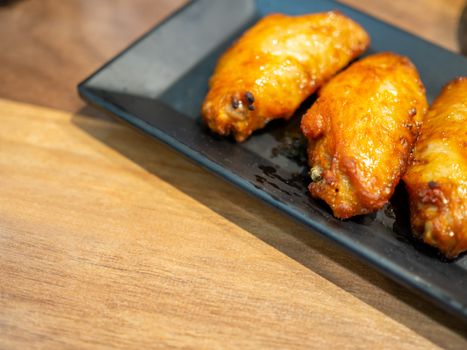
[
  {"x": 437, "y": 178},
  {"x": 275, "y": 66},
  {"x": 361, "y": 131}
]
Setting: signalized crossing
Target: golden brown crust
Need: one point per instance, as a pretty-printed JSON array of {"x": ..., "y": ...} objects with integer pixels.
[
  {"x": 437, "y": 178},
  {"x": 361, "y": 131},
  {"x": 275, "y": 66}
]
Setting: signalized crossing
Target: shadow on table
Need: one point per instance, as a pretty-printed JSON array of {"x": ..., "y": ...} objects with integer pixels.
[
  {"x": 6, "y": 3},
  {"x": 462, "y": 31},
  {"x": 393, "y": 300}
]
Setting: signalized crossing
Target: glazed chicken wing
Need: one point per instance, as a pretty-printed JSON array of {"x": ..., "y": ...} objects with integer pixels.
[
  {"x": 437, "y": 178},
  {"x": 361, "y": 131},
  {"x": 275, "y": 66}
]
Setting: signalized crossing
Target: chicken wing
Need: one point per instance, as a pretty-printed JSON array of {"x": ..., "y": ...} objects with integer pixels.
[
  {"x": 361, "y": 131},
  {"x": 437, "y": 178},
  {"x": 275, "y": 66}
]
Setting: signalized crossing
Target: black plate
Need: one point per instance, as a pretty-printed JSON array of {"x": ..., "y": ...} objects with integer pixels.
[{"x": 159, "y": 82}]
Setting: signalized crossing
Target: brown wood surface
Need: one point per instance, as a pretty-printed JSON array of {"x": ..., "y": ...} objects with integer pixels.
[
  {"x": 433, "y": 20},
  {"x": 109, "y": 239}
]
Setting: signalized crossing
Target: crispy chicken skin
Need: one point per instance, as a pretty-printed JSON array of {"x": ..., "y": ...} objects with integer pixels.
[
  {"x": 361, "y": 131},
  {"x": 437, "y": 178},
  {"x": 275, "y": 66}
]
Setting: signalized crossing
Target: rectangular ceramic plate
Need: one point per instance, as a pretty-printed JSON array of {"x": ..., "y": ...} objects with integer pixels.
[{"x": 158, "y": 84}]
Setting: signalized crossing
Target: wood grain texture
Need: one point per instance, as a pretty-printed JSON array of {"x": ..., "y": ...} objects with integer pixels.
[
  {"x": 47, "y": 47},
  {"x": 109, "y": 239},
  {"x": 433, "y": 20}
]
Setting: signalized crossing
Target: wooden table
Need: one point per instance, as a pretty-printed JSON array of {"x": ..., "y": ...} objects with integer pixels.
[{"x": 109, "y": 239}]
